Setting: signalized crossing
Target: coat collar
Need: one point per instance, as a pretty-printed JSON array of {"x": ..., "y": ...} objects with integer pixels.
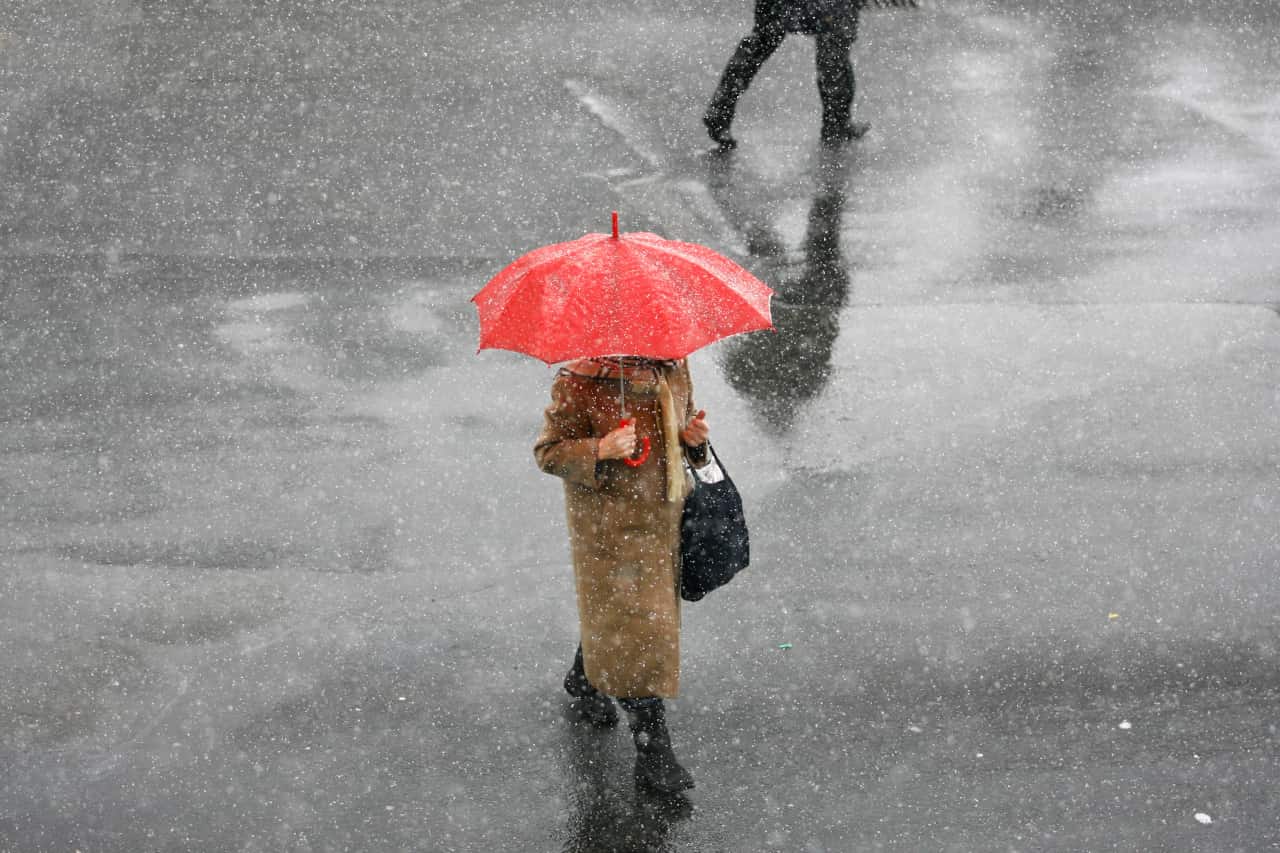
[{"x": 633, "y": 368}]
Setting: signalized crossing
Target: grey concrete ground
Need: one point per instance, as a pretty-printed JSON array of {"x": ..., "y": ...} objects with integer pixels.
[{"x": 277, "y": 572}]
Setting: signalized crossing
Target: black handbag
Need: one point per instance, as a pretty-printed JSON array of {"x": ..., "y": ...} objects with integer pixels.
[{"x": 714, "y": 545}]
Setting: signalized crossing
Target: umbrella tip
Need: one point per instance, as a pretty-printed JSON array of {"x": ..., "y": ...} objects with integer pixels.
[{"x": 615, "y": 225}]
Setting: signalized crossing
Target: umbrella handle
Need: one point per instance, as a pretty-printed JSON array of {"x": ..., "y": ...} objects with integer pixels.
[{"x": 635, "y": 461}]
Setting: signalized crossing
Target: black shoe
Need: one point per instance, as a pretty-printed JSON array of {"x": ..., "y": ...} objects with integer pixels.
[
  {"x": 656, "y": 765},
  {"x": 719, "y": 133},
  {"x": 589, "y": 705},
  {"x": 840, "y": 134}
]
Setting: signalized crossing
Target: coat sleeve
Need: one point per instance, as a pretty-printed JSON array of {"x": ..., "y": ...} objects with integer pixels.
[
  {"x": 698, "y": 455},
  {"x": 566, "y": 446}
]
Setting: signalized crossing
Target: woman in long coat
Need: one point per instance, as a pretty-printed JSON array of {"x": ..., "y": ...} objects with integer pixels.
[{"x": 624, "y": 535}]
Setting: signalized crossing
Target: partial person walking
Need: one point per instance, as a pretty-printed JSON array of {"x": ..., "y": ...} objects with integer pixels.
[
  {"x": 834, "y": 25},
  {"x": 624, "y": 533}
]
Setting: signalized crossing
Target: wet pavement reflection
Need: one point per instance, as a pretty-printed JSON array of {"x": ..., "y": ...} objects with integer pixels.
[
  {"x": 606, "y": 812},
  {"x": 783, "y": 371}
]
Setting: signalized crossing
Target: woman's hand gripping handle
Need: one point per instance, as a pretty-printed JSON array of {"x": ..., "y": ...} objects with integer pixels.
[{"x": 623, "y": 444}]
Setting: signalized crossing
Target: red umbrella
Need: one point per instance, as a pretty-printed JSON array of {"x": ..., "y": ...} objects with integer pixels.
[{"x": 619, "y": 294}]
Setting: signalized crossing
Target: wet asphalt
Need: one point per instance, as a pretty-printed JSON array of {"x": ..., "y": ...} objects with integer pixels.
[{"x": 277, "y": 572}]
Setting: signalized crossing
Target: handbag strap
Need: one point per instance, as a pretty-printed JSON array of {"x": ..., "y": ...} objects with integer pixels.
[{"x": 716, "y": 457}]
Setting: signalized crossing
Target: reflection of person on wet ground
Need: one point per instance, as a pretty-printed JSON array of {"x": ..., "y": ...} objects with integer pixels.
[
  {"x": 834, "y": 26},
  {"x": 624, "y": 533},
  {"x": 782, "y": 370},
  {"x": 603, "y": 818}
]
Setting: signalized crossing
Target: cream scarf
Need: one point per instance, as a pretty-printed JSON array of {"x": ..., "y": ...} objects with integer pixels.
[{"x": 676, "y": 483}]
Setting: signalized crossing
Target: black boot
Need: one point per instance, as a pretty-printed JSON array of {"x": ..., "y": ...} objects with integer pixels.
[
  {"x": 838, "y": 134},
  {"x": 718, "y": 129},
  {"x": 656, "y": 765},
  {"x": 589, "y": 705}
]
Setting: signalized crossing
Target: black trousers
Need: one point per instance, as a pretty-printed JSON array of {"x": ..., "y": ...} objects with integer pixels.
[{"x": 835, "y": 70}]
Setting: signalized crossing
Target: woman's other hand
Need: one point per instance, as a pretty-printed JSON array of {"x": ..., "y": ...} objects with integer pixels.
[
  {"x": 696, "y": 432},
  {"x": 618, "y": 444}
]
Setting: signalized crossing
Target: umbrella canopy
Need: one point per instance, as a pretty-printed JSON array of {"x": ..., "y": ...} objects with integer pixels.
[{"x": 619, "y": 294}]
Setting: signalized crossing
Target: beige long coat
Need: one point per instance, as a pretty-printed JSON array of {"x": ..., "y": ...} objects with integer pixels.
[{"x": 624, "y": 532}]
